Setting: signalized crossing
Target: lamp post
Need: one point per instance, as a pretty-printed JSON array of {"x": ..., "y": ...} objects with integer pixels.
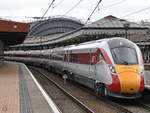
[{"x": 126, "y": 26}]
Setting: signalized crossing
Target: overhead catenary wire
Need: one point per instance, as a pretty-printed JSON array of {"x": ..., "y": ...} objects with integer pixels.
[
  {"x": 114, "y": 4},
  {"x": 141, "y": 10},
  {"x": 58, "y": 3},
  {"x": 111, "y": 5},
  {"x": 48, "y": 8},
  {"x": 73, "y": 7},
  {"x": 93, "y": 10}
]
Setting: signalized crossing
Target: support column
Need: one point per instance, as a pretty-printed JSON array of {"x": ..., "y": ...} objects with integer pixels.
[
  {"x": 1, "y": 47},
  {"x": 1, "y": 52}
]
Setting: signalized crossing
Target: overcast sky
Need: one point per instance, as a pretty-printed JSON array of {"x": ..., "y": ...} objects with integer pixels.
[{"x": 24, "y": 9}]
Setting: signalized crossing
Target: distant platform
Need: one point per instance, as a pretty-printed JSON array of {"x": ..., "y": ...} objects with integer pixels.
[
  {"x": 21, "y": 93},
  {"x": 12, "y": 32},
  {"x": 147, "y": 79}
]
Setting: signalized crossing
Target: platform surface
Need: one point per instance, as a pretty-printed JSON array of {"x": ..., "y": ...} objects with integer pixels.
[
  {"x": 147, "y": 79},
  {"x": 19, "y": 92}
]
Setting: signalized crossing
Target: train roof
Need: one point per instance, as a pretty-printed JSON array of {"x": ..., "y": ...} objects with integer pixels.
[{"x": 95, "y": 44}]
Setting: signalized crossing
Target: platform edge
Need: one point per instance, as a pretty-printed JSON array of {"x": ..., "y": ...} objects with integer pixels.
[{"x": 47, "y": 98}]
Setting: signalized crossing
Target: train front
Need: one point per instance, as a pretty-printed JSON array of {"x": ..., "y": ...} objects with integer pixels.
[{"x": 127, "y": 69}]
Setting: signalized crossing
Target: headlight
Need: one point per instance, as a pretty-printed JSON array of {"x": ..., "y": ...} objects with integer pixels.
[
  {"x": 141, "y": 70},
  {"x": 112, "y": 69}
]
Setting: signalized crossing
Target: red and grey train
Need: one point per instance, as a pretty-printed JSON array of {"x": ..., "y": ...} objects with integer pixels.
[{"x": 112, "y": 66}]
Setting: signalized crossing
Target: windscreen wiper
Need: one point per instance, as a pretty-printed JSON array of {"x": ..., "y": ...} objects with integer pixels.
[
  {"x": 122, "y": 60},
  {"x": 119, "y": 58}
]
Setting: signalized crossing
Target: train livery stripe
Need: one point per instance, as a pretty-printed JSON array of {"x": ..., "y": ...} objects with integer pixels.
[
  {"x": 115, "y": 86},
  {"x": 106, "y": 56},
  {"x": 142, "y": 83},
  {"x": 129, "y": 78}
]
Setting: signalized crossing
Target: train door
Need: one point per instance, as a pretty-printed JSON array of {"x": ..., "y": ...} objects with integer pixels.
[
  {"x": 66, "y": 59},
  {"x": 90, "y": 75},
  {"x": 101, "y": 68},
  {"x": 96, "y": 63},
  {"x": 69, "y": 66},
  {"x": 92, "y": 67}
]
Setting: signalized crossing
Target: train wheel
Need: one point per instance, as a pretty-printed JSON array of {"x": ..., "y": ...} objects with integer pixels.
[
  {"x": 65, "y": 77},
  {"x": 100, "y": 89},
  {"x": 50, "y": 69},
  {"x": 105, "y": 93},
  {"x": 54, "y": 70}
]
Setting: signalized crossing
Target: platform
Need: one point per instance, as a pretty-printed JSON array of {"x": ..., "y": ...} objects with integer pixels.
[
  {"x": 147, "y": 79},
  {"x": 21, "y": 93}
]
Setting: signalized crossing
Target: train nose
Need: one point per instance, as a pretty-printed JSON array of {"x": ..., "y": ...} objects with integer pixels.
[
  {"x": 130, "y": 82},
  {"x": 129, "y": 78}
]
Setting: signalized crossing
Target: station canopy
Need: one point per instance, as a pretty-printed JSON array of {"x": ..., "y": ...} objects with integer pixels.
[
  {"x": 108, "y": 25},
  {"x": 113, "y": 22},
  {"x": 12, "y": 33}
]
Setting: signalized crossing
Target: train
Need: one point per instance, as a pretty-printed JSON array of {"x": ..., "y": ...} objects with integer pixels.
[{"x": 110, "y": 67}]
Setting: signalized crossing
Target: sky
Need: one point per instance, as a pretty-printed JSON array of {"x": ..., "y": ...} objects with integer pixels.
[{"x": 23, "y": 10}]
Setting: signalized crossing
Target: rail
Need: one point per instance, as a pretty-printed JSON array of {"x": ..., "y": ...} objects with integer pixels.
[
  {"x": 109, "y": 103},
  {"x": 68, "y": 94}
]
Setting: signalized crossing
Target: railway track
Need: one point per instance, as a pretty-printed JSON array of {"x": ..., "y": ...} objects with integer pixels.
[
  {"x": 125, "y": 105},
  {"x": 143, "y": 105},
  {"x": 135, "y": 106},
  {"x": 89, "y": 102},
  {"x": 65, "y": 101}
]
